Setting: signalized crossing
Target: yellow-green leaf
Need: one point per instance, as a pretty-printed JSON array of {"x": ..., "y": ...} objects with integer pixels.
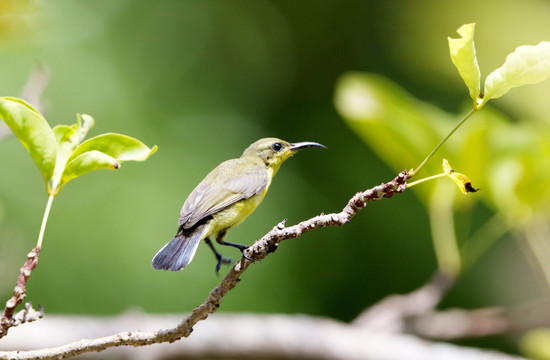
[
  {"x": 33, "y": 132},
  {"x": 85, "y": 123},
  {"x": 121, "y": 147},
  {"x": 461, "y": 180},
  {"x": 536, "y": 344},
  {"x": 60, "y": 153},
  {"x": 463, "y": 55},
  {"x": 86, "y": 162},
  {"x": 105, "y": 151},
  {"x": 66, "y": 137},
  {"x": 526, "y": 65}
]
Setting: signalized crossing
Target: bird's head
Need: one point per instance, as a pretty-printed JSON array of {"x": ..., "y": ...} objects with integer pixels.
[{"x": 273, "y": 152}]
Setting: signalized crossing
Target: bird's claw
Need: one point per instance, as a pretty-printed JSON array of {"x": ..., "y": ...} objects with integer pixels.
[
  {"x": 246, "y": 256},
  {"x": 223, "y": 260}
]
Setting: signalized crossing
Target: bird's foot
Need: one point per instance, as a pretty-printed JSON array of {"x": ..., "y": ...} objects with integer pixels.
[
  {"x": 246, "y": 256},
  {"x": 240, "y": 247},
  {"x": 223, "y": 260}
]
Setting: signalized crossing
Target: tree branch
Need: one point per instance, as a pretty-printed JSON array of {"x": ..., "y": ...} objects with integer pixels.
[
  {"x": 390, "y": 314},
  {"x": 258, "y": 251},
  {"x": 32, "y": 93},
  {"x": 35, "y": 86},
  {"x": 240, "y": 336},
  {"x": 19, "y": 294},
  {"x": 459, "y": 323}
]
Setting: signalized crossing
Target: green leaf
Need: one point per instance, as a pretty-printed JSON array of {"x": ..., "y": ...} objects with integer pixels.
[
  {"x": 85, "y": 123},
  {"x": 536, "y": 344},
  {"x": 526, "y": 65},
  {"x": 66, "y": 137},
  {"x": 120, "y": 147},
  {"x": 33, "y": 131},
  {"x": 86, "y": 162},
  {"x": 60, "y": 153},
  {"x": 400, "y": 128},
  {"x": 104, "y": 152},
  {"x": 463, "y": 55}
]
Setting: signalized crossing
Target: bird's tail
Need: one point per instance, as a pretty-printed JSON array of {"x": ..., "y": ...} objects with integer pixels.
[{"x": 179, "y": 252}]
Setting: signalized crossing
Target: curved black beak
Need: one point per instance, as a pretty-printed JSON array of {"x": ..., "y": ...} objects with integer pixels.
[{"x": 304, "y": 145}]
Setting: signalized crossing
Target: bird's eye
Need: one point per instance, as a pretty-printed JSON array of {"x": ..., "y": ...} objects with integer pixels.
[{"x": 277, "y": 146}]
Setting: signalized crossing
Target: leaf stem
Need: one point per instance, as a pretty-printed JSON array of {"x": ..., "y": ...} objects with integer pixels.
[
  {"x": 411, "y": 184},
  {"x": 443, "y": 141},
  {"x": 44, "y": 221}
]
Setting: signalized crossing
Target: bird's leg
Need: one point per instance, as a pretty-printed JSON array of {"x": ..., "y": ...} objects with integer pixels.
[
  {"x": 221, "y": 259},
  {"x": 219, "y": 240},
  {"x": 238, "y": 246}
]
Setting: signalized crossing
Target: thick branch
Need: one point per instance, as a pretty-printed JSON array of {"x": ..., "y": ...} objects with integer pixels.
[
  {"x": 390, "y": 314},
  {"x": 459, "y": 323},
  {"x": 454, "y": 324},
  {"x": 243, "y": 336},
  {"x": 258, "y": 251}
]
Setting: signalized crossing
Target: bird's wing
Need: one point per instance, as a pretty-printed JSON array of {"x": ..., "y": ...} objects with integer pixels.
[{"x": 218, "y": 191}]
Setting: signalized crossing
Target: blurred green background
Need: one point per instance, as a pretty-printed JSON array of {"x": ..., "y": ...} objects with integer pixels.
[{"x": 203, "y": 80}]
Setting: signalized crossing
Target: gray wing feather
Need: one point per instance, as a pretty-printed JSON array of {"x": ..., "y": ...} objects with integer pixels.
[{"x": 214, "y": 194}]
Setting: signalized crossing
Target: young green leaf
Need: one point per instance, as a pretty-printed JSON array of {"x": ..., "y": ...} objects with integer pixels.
[
  {"x": 120, "y": 147},
  {"x": 103, "y": 152},
  {"x": 33, "y": 131},
  {"x": 86, "y": 162},
  {"x": 84, "y": 123},
  {"x": 60, "y": 153},
  {"x": 463, "y": 55},
  {"x": 66, "y": 137},
  {"x": 526, "y": 65}
]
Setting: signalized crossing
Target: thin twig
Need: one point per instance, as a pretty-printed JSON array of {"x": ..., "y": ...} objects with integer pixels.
[
  {"x": 44, "y": 222},
  {"x": 443, "y": 141},
  {"x": 258, "y": 251},
  {"x": 35, "y": 86},
  {"x": 4, "y": 130},
  {"x": 32, "y": 93},
  {"x": 19, "y": 292}
]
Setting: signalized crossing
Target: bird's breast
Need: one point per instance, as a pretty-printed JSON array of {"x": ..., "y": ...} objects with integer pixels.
[{"x": 235, "y": 214}]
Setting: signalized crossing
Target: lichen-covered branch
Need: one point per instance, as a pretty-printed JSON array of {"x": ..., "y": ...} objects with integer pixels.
[
  {"x": 19, "y": 294},
  {"x": 259, "y": 250}
]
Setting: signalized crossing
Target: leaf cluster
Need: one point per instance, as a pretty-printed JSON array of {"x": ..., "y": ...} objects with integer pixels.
[
  {"x": 526, "y": 65},
  {"x": 61, "y": 153}
]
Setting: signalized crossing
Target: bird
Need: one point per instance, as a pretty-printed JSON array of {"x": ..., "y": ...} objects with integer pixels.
[{"x": 224, "y": 199}]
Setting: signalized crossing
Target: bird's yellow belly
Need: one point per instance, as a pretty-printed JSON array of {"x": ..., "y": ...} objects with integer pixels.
[{"x": 235, "y": 214}]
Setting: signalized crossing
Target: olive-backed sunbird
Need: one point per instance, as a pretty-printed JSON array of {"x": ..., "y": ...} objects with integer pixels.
[{"x": 223, "y": 199}]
